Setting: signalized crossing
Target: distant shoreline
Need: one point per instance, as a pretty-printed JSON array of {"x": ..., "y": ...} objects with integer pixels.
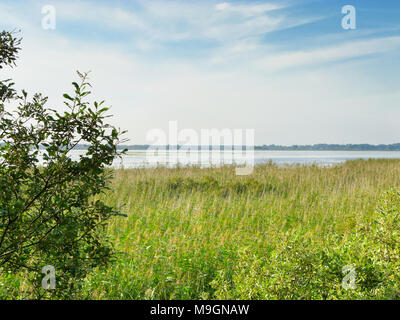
[{"x": 315, "y": 147}]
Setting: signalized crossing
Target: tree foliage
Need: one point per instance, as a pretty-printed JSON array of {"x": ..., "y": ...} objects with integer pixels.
[
  {"x": 9, "y": 47},
  {"x": 49, "y": 214}
]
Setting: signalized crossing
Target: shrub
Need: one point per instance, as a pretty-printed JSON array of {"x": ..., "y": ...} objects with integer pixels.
[
  {"x": 298, "y": 269},
  {"x": 48, "y": 211}
]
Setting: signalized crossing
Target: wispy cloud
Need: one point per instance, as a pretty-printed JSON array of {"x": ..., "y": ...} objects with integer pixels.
[
  {"x": 339, "y": 52},
  {"x": 163, "y": 22},
  {"x": 248, "y": 10},
  {"x": 145, "y": 62}
]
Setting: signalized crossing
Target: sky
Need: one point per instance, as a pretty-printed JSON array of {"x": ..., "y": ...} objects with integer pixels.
[{"x": 287, "y": 69}]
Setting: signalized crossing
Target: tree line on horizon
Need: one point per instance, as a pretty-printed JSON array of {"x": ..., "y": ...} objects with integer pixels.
[{"x": 273, "y": 147}]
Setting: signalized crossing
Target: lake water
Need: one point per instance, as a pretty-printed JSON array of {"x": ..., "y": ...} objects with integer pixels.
[{"x": 140, "y": 159}]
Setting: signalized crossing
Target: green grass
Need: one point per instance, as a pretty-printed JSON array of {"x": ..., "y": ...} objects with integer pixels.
[{"x": 280, "y": 233}]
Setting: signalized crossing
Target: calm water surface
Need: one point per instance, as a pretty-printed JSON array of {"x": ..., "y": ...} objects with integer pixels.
[{"x": 139, "y": 159}]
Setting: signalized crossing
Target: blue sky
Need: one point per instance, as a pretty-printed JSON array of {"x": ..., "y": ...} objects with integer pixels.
[{"x": 284, "y": 68}]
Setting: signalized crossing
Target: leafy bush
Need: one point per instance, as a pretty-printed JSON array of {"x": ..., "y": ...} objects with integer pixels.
[
  {"x": 48, "y": 211},
  {"x": 9, "y": 47},
  {"x": 299, "y": 269}
]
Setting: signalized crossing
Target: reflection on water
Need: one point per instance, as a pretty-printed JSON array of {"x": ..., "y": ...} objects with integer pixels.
[{"x": 139, "y": 159}]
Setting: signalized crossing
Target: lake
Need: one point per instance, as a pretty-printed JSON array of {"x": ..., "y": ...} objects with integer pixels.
[
  {"x": 139, "y": 158},
  {"x": 142, "y": 159}
]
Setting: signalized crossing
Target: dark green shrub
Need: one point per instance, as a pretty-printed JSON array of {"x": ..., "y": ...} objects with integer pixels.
[
  {"x": 48, "y": 211},
  {"x": 296, "y": 268}
]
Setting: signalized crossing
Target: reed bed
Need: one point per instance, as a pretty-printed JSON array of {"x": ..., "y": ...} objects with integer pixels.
[{"x": 279, "y": 233}]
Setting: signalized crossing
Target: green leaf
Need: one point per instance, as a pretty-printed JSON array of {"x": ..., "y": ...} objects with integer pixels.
[{"x": 66, "y": 96}]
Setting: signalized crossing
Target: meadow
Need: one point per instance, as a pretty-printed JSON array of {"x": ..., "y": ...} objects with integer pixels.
[{"x": 280, "y": 233}]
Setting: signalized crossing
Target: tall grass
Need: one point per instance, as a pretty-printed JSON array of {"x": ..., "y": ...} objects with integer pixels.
[{"x": 280, "y": 233}]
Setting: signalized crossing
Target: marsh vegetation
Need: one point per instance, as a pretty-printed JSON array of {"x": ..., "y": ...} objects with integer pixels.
[{"x": 281, "y": 233}]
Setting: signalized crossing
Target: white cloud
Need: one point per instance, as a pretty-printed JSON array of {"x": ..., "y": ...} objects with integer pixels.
[
  {"x": 331, "y": 104},
  {"x": 161, "y": 21},
  {"x": 109, "y": 16},
  {"x": 222, "y": 6},
  {"x": 248, "y": 10},
  {"x": 319, "y": 56}
]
